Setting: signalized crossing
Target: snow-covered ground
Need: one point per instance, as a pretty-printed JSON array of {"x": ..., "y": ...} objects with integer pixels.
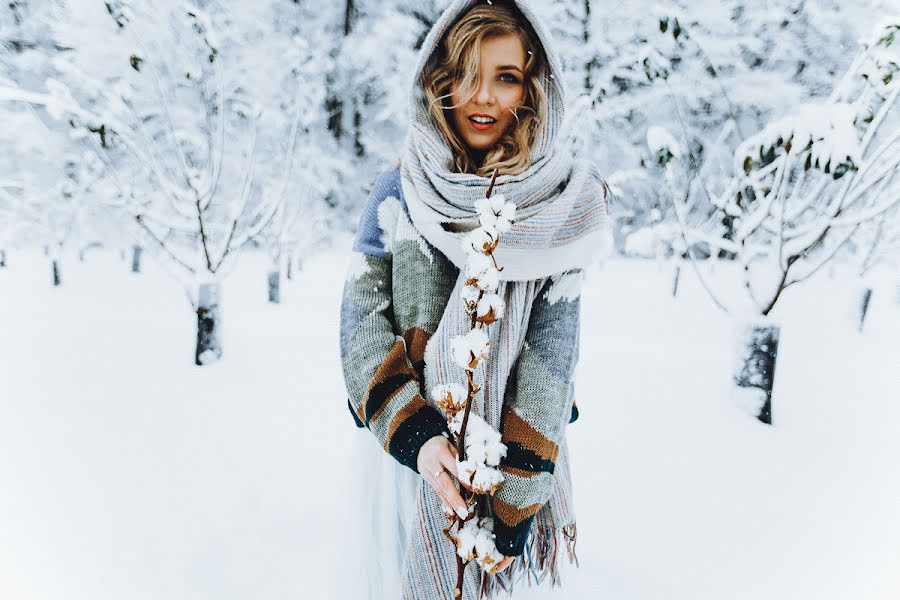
[{"x": 127, "y": 473}]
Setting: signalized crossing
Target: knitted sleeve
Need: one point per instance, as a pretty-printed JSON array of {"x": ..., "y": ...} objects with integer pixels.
[
  {"x": 537, "y": 407},
  {"x": 383, "y": 387}
]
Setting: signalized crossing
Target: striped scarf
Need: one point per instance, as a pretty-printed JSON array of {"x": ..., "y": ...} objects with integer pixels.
[{"x": 560, "y": 225}]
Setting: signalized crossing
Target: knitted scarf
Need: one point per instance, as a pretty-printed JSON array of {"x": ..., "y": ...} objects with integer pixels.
[{"x": 560, "y": 225}]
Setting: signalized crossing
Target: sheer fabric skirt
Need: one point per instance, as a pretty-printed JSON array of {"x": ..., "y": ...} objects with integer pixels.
[{"x": 382, "y": 502}]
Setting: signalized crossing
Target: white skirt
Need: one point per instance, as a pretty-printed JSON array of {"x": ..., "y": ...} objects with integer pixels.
[{"x": 381, "y": 506}]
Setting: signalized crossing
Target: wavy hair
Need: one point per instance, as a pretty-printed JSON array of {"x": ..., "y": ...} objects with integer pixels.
[{"x": 457, "y": 61}]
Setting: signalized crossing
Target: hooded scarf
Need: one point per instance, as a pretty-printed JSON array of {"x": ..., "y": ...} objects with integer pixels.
[{"x": 560, "y": 225}]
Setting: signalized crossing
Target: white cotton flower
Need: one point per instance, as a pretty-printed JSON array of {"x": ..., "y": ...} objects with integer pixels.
[
  {"x": 494, "y": 453},
  {"x": 470, "y": 295},
  {"x": 451, "y": 398},
  {"x": 455, "y": 424},
  {"x": 497, "y": 203},
  {"x": 486, "y": 480},
  {"x": 483, "y": 206},
  {"x": 481, "y": 272},
  {"x": 490, "y": 308},
  {"x": 466, "y": 470},
  {"x": 487, "y": 219},
  {"x": 505, "y": 217},
  {"x": 465, "y": 541},
  {"x": 486, "y": 552},
  {"x": 489, "y": 280},
  {"x": 480, "y": 240},
  {"x": 483, "y": 442},
  {"x": 476, "y": 264},
  {"x": 470, "y": 348}
]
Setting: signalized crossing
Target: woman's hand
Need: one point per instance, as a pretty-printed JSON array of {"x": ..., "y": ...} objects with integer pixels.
[
  {"x": 507, "y": 560},
  {"x": 436, "y": 463}
]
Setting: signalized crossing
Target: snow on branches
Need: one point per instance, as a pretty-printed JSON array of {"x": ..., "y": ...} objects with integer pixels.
[
  {"x": 479, "y": 445},
  {"x": 807, "y": 185}
]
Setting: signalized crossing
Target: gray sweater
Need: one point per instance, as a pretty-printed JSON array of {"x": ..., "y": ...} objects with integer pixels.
[{"x": 394, "y": 295}]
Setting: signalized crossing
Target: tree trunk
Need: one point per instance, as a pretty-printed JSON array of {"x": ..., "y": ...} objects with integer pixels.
[
  {"x": 2, "y": 258},
  {"x": 864, "y": 301},
  {"x": 754, "y": 375},
  {"x": 275, "y": 286},
  {"x": 289, "y": 273},
  {"x": 136, "y": 252},
  {"x": 56, "y": 277},
  {"x": 675, "y": 276},
  {"x": 209, "y": 346}
]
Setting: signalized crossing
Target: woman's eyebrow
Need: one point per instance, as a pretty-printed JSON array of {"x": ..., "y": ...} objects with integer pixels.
[{"x": 509, "y": 67}]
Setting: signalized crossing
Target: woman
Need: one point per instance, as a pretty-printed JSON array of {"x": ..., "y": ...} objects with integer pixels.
[{"x": 488, "y": 97}]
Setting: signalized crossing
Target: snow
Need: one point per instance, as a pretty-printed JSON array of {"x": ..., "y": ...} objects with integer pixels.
[
  {"x": 828, "y": 128},
  {"x": 565, "y": 286},
  {"x": 128, "y": 472},
  {"x": 659, "y": 140}
]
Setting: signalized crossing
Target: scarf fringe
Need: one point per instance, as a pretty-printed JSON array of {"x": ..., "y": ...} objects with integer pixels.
[{"x": 539, "y": 561}]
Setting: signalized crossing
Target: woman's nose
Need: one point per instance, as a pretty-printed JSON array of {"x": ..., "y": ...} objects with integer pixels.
[{"x": 485, "y": 93}]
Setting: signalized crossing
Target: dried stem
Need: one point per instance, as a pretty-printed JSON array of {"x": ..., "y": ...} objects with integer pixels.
[{"x": 472, "y": 389}]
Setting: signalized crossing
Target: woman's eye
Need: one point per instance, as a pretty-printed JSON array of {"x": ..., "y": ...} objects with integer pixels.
[{"x": 508, "y": 78}]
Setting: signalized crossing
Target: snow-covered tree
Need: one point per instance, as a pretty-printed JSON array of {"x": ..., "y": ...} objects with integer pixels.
[
  {"x": 807, "y": 183},
  {"x": 197, "y": 110}
]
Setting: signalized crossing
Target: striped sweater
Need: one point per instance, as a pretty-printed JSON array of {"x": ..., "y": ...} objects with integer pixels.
[{"x": 394, "y": 294}]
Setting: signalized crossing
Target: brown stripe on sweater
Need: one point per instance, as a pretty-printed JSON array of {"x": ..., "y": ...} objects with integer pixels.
[
  {"x": 517, "y": 429},
  {"x": 395, "y": 363},
  {"x": 416, "y": 338},
  {"x": 408, "y": 410},
  {"x": 512, "y": 515},
  {"x": 518, "y": 472}
]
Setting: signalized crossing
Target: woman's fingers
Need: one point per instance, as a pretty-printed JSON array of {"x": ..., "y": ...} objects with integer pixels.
[
  {"x": 445, "y": 488},
  {"x": 507, "y": 560},
  {"x": 448, "y": 461}
]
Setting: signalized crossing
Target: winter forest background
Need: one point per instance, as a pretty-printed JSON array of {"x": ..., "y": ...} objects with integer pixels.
[{"x": 180, "y": 182}]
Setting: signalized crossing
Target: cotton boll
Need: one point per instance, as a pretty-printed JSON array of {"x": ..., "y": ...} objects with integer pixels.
[
  {"x": 465, "y": 542},
  {"x": 466, "y": 470},
  {"x": 486, "y": 480},
  {"x": 481, "y": 240},
  {"x": 470, "y": 295},
  {"x": 497, "y": 202},
  {"x": 490, "y": 308},
  {"x": 461, "y": 353},
  {"x": 451, "y": 398},
  {"x": 470, "y": 348},
  {"x": 494, "y": 453},
  {"x": 483, "y": 206},
  {"x": 487, "y": 219},
  {"x": 478, "y": 343},
  {"x": 488, "y": 556},
  {"x": 508, "y": 211},
  {"x": 484, "y": 542},
  {"x": 477, "y": 264},
  {"x": 455, "y": 424},
  {"x": 489, "y": 280}
]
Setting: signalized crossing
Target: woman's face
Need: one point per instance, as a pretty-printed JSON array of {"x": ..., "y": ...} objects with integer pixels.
[{"x": 482, "y": 119}]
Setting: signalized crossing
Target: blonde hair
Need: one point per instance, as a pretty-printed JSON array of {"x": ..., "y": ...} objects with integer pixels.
[{"x": 458, "y": 61}]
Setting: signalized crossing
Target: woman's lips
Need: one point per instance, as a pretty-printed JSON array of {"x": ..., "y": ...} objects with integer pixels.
[{"x": 482, "y": 126}]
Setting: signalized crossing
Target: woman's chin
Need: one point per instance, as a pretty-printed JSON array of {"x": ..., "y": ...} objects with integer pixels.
[{"x": 481, "y": 144}]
